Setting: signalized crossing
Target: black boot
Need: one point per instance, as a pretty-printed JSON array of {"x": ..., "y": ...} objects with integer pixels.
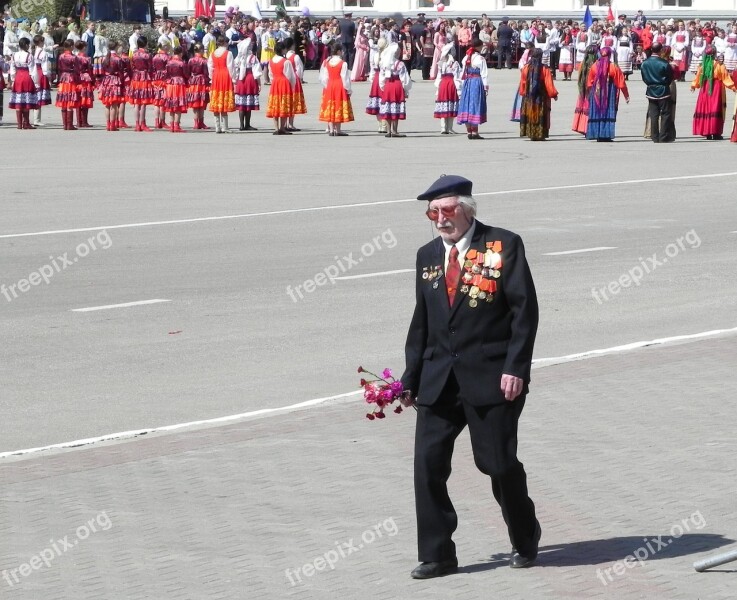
[
  {"x": 242, "y": 119},
  {"x": 248, "y": 122}
]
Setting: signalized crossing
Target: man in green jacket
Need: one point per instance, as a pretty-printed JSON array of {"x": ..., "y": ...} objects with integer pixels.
[{"x": 657, "y": 75}]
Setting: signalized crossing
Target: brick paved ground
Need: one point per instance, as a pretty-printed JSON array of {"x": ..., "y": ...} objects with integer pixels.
[{"x": 618, "y": 449}]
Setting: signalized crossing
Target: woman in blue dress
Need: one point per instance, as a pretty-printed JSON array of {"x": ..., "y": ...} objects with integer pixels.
[{"x": 472, "y": 107}]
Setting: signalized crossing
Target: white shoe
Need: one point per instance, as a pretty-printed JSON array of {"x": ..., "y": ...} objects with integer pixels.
[
  {"x": 39, "y": 124},
  {"x": 217, "y": 125}
]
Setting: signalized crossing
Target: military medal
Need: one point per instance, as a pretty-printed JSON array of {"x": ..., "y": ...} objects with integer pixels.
[
  {"x": 496, "y": 273},
  {"x": 464, "y": 289},
  {"x": 435, "y": 285},
  {"x": 473, "y": 303}
]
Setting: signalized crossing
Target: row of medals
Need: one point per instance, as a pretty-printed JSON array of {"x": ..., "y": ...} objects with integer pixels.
[{"x": 474, "y": 292}]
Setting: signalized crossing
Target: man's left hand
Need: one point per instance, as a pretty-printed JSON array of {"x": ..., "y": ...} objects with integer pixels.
[{"x": 511, "y": 386}]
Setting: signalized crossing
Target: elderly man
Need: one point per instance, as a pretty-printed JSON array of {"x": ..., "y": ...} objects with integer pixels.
[{"x": 468, "y": 354}]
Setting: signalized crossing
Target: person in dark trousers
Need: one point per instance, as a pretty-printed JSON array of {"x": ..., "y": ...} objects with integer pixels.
[
  {"x": 468, "y": 355},
  {"x": 657, "y": 75},
  {"x": 418, "y": 31},
  {"x": 504, "y": 36},
  {"x": 347, "y": 35}
]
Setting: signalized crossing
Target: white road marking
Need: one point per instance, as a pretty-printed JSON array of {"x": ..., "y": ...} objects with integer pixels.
[
  {"x": 379, "y": 274},
  {"x": 537, "y": 363},
  {"x": 597, "y": 249},
  {"x": 123, "y": 305},
  {"x": 359, "y": 205}
]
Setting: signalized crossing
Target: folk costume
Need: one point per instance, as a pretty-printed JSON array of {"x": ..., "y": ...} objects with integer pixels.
[
  {"x": 177, "y": 74},
  {"x": 361, "y": 61},
  {"x": 567, "y": 56},
  {"x": 85, "y": 88},
  {"x": 43, "y": 70},
  {"x": 679, "y": 50},
  {"x": 141, "y": 90},
  {"x": 373, "y": 105},
  {"x": 605, "y": 82},
  {"x": 395, "y": 83},
  {"x": 712, "y": 80},
  {"x": 537, "y": 89},
  {"x": 448, "y": 85},
  {"x": 698, "y": 47},
  {"x": 281, "y": 94},
  {"x": 158, "y": 82},
  {"x": 198, "y": 89},
  {"x": 475, "y": 321},
  {"x": 336, "y": 107},
  {"x": 517, "y": 103},
  {"x": 126, "y": 85},
  {"x": 67, "y": 91},
  {"x": 112, "y": 88},
  {"x": 472, "y": 108},
  {"x": 248, "y": 87},
  {"x": 730, "y": 53},
  {"x": 23, "y": 95},
  {"x": 299, "y": 106},
  {"x": 101, "y": 49},
  {"x": 222, "y": 93},
  {"x": 625, "y": 56}
]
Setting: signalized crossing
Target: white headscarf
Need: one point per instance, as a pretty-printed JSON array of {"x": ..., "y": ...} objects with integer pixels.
[
  {"x": 389, "y": 55},
  {"x": 446, "y": 50}
]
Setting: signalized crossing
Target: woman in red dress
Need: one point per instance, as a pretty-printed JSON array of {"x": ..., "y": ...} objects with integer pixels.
[
  {"x": 67, "y": 91},
  {"x": 299, "y": 106},
  {"x": 281, "y": 93},
  {"x": 23, "y": 97},
  {"x": 85, "y": 87},
  {"x": 158, "y": 64},
  {"x": 222, "y": 93},
  {"x": 198, "y": 87},
  {"x": 177, "y": 74},
  {"x": 41, "y": 59},
  {"x": 123, "y": 54},
  {"x": 111, "y": 88},
  {"x": 141, "y": 90},
  {"x": 336, "y": 101},
  {"x": 712, "y": 80}
]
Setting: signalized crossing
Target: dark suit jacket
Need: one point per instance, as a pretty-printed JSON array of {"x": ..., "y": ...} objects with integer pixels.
[
  {"x": 478, "y": 344},
  {"x": 347, "y": 31}
]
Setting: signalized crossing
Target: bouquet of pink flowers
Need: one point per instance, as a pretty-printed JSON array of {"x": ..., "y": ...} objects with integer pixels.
[{"x": 382, "y": 391}]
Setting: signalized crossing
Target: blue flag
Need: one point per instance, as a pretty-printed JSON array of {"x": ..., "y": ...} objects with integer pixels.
[{"x": 587, "y": 18}]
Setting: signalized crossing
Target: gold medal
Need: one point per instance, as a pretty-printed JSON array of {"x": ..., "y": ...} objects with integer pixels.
[
  {"x": 474, "y": 291},
  {"x": 473, "y": 303}
]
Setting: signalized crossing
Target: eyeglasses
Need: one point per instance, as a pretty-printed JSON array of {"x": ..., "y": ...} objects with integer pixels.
[{"x": 448, "y": 211}]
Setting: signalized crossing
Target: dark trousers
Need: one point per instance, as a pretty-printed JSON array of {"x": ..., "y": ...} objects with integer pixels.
[
  {"x": 554, "y": 60},
  {"x": 349, "y": 54},
  {"x": 426, "y": 67},
  {"x": 493, "y": 431},
  {"x": 504, "y": 57},
  {"x": 660, "y": 113}
]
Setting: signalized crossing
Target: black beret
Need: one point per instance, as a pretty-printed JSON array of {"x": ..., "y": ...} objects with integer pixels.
[{"x": 447, "y": 185}]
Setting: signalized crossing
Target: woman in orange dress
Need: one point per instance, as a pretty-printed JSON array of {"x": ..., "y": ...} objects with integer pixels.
[
  {"x": 336, "y": 82},
  {"x": 222, "y": 93},
  {"x": 281, "y": 95},
  {"x": 299, "y": 106}
]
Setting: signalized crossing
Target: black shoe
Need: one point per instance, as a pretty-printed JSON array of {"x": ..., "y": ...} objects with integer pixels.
[
  {"x": 251, "y": 128},
  {"x": 717, "y": 137},
  {"x": 518, "y": 561},
  {"x": 445, "y": 132},
  {"x": 388, "y": 135},
  {"x": 428, "y": 570}
]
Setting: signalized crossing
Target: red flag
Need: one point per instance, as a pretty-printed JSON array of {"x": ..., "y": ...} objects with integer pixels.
[
  {"x": 212, "y": 9},
  {"x": 199, "y": 9},
  {"x": 610, "y": 15}
]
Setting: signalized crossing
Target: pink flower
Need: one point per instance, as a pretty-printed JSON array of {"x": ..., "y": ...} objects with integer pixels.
[
  {"x": 360, "y": 369},
  {"x": 370, "y": 416},
  {"x": 379, "y": 415},
  {"x": 363, "y": 382},
  {"x": 386, "y": 373},
  {"x": 398, "y": 409},
  {"x": 387, "y": 395},
  {"x": 397, "y": 387}
]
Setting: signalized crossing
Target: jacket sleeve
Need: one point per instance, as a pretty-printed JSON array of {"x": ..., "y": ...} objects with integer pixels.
[
  {"x": 522, "y": 299},
  {"x": 416, "y": 337}
]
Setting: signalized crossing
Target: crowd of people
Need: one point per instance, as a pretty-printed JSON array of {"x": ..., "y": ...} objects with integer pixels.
[{"x": 198, "y": 65}]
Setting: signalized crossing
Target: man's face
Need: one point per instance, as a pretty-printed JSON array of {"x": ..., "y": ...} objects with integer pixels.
[{"x": 452, "y": 220}]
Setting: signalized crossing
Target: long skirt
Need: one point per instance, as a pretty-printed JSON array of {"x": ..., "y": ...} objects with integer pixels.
[
  {"x": 516, "y": 107},
  {"x": 581, "y": 115},
  {"x": 393, "y": 106},
  {"x": 360, "y": 65},
  {"x": 472, "y": 108},
  {"x": 23, "y": 95},
  {"x": 280, "y": 99},
  {"x": 535, "y": 118},
  {"x": 708, "y": 118},
  {"x": 43, "y": 88},
  {"x": 336, "y": 104},
  {"x": 246, "y": 93},
  {"x": 603, "y": 119},
  {"x": 374, "y": 100},
  {"x": 299, "y": 107},
  {"x": 446, "y": 104}
]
